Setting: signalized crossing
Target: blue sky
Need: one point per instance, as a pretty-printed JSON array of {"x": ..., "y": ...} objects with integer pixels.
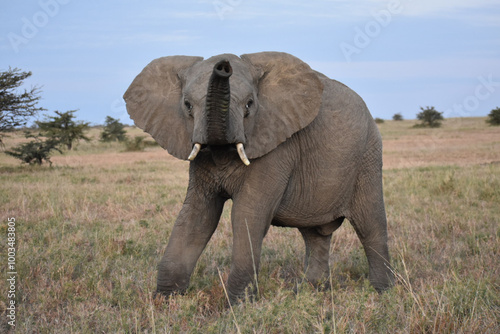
[{"x": 397, "y": 54}]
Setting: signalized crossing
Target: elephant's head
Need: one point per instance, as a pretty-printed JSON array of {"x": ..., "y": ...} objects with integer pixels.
[{"x": 254, "y": 102}]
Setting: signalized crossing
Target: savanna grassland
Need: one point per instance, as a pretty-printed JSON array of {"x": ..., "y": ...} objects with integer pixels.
[{"x": 91, "y": 229}]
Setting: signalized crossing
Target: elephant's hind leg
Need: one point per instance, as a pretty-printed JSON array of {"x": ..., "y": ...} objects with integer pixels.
[
  {"x": 317, "y": 253},
  {"x": 370, "y": 223}
]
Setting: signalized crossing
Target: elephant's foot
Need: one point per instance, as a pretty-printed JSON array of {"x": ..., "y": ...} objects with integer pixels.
[
  {"x": 383, "y": 282},
  {"x": 161, "y": 297},
  {"x": 318, "y": 284},
  {"x": 172, "y": 278},
  {"x": 158, "y": 294},
  {"x": 381, "y": 274},
  {"x": 319, "y": 277},
  {"x": 248, "y": 294},
  {"x": 166, "y": 293},
  {"x": 166, "y": 287},
  {"x": 322, "y": 284}
]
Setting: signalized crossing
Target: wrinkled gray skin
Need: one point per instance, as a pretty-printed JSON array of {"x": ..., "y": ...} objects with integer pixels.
[{"x": 315, "y": 158}]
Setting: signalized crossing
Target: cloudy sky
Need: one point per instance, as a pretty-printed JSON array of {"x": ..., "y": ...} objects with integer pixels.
[{"x": 397, "y": 54}]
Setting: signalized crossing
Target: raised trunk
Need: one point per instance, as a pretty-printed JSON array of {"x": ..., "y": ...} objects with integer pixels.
[{"x": 217, "y": 104}]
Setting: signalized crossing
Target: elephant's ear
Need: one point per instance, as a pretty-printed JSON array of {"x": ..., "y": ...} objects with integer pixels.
[
  {"x": 154, "y": 103},
  {"x": 289, "y": 94}
]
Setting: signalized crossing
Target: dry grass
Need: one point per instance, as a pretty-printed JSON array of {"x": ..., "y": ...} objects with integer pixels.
[
  {"x": 92, "y": 228},
  {"x": 460, "y": 141}
]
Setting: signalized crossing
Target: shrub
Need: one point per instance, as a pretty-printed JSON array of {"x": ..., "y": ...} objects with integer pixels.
[
  {"x": 494, "y": 117},
  {"x": 136, "y": 144},
  {"x": 397, "y": 117},
  {"x": 113, "y": 130},
  {"x": 429, "y": 117},
  {"x": 379, "y": 120},
  {"x": 35, "y": 151}
]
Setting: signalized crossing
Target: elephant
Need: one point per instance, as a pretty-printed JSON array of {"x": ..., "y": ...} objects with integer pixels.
[{"x": 288, "y": 145}]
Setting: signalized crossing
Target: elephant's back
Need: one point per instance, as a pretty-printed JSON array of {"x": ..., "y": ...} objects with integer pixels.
[{"x": 343, "y": 103}]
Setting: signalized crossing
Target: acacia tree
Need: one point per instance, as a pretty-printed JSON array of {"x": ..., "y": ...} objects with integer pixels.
[
  {"x": 16, "y": 107},
  {"x": 64, "y": 128},
  {"x": 429, "y": 117}
]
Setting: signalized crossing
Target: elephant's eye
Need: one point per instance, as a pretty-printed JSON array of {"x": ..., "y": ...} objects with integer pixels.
[
  {"x": 188, "y": 106},
  {"x": 248, "y": 106}
]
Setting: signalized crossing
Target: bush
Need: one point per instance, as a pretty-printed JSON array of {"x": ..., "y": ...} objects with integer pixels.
[
  {"x": 494, "y": 117},
  {"x": 35, "y": 151},
  {"x": 397, "y": 117},
  {"x": 136, "y": 144},
  {"x": 113, "y": 131},
  {"x": 379, "y": 120},
  {"x": 429, "y": 117}
]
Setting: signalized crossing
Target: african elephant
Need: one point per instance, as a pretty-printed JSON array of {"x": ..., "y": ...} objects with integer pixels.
[{"x": 288, "y": 145}]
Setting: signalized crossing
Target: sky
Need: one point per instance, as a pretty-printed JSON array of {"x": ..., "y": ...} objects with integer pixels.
[{"x": 398, "y": 55}]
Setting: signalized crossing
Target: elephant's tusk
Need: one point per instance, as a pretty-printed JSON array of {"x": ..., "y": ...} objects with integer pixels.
[
  {"x": 242, "y": 154},
  {"x": 194, "y": 152}
]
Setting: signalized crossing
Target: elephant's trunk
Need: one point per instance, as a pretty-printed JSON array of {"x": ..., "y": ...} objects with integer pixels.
[
  {"x": 217, "y": 112},
  {"x": 217, "y": 104}
]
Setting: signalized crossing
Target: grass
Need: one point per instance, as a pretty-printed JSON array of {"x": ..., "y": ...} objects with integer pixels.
[{"x": 92, "y": 228}]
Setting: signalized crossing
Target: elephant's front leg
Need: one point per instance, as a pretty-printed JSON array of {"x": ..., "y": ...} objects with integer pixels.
[
  {"x": 248, "y": 233},
  {"x": 193, "y": 229},
  {"x": 254, "y": 207},
  {"x": 251, "y": 215}
]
